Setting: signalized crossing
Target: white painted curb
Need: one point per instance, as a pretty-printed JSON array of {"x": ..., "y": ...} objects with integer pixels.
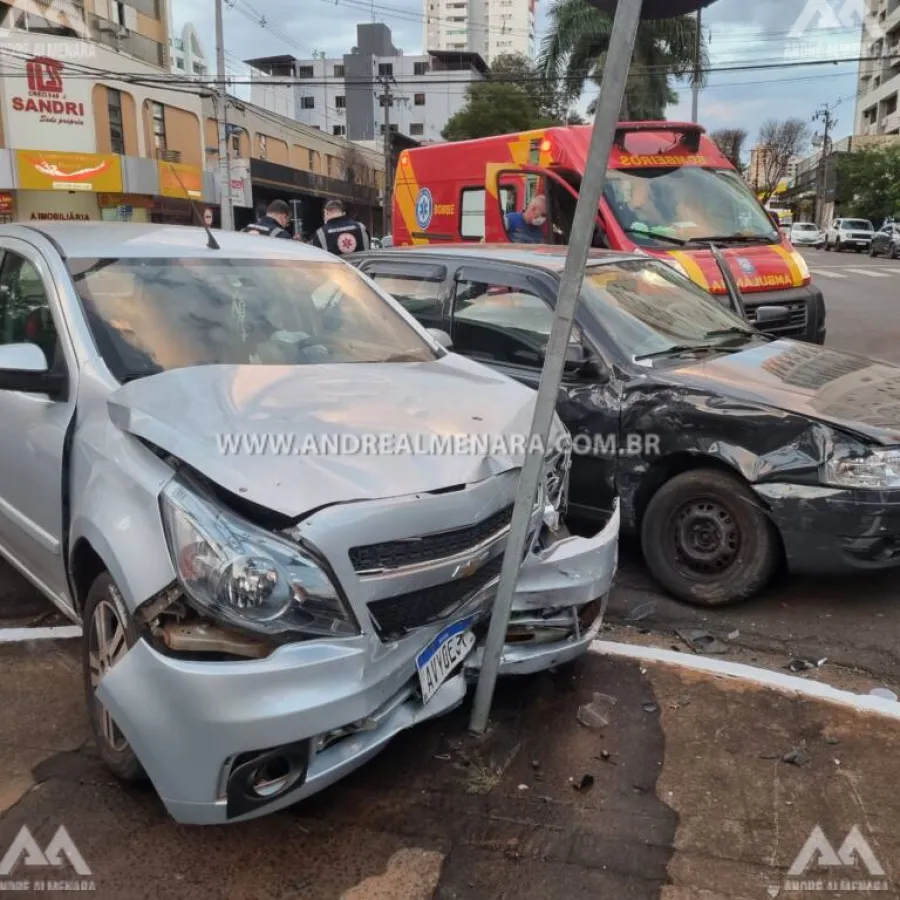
[
  {"x": 57, "y": 633},
  {"x": 776, "y": 680}
]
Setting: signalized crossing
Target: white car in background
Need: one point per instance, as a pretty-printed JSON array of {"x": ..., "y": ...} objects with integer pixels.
[
  {"x": 853, "y": 234},
  {"x": 806, "y": 234}
]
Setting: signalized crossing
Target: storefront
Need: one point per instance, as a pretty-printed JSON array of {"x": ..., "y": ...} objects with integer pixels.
[
  {"x": 56, "y": 206},
  {"x": 7, "y": 208},
  {"x": 125, "y": 207}
]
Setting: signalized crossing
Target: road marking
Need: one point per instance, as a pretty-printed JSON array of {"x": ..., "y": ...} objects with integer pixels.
[
  {"x": 57, "y": 633},
  {"x": 824, "y": 273},
  {"x": 763, "y": 677},
  {"x": 870, "y": 273}
]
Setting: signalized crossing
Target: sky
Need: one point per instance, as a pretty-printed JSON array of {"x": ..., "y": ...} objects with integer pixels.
[{"x": 777, "y": 34}]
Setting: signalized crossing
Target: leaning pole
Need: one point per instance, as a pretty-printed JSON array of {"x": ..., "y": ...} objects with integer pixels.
[{"x": 628, "y": 15}]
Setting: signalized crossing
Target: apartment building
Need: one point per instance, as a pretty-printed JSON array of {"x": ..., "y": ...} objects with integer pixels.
[
  {"x": 341, "y": 96},
  {"x": 490, "y": 28},
  {"x": 187, "y": 58},
  {"x": 877, "y": 111}
]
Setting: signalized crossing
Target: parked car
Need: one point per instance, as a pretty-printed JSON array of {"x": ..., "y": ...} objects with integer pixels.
[
  {"x": 886, "y": 242},
  {"x": 849, "y": 234},
  {"x": 729, "y": 450},
  {"x": 261, "y": 618},
  {"x": 806, "y": 234}
]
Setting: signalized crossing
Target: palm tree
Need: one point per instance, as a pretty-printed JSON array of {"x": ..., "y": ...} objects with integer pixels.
[{"x": 574, "y": 50}]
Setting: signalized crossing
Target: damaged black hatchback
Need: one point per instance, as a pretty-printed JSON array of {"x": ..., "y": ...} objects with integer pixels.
[{"x": 731, "y": 452}]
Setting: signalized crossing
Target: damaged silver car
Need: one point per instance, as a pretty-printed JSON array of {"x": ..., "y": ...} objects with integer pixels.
[{"x": 263, "y": 610}]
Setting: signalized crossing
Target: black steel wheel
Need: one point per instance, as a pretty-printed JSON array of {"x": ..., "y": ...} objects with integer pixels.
[{"x": 707, "y": 540}]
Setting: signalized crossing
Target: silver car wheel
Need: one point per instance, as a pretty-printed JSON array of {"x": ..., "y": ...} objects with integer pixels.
[{"x": 107, "y": 644}]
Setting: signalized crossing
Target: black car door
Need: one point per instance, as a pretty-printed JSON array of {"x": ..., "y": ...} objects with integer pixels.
[{"x": 502, "y": 316}]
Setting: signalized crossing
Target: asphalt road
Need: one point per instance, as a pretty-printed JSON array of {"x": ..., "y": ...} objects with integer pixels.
[{"x": 854, "y": 622}]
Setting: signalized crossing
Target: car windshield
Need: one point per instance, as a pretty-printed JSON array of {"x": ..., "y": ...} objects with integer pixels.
[
  {"x": 150, "y": 315},
  {"x": 805, "y": 227},
  {"x": 648, "y": 308},
  {"x": 688, "y": 203},
  {"x": 856, "y": 225}
]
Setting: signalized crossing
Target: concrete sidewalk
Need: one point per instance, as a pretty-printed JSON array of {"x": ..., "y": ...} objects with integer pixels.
[{"x": 688, "y": 798}]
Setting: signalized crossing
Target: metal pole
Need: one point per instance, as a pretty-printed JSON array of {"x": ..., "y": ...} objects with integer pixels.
[
  {"x": 698, "y": 68},
  {"x": 387, "y": 99},
  {"x": 606, "y": 118},
  {"x": 224, "y": 150}
]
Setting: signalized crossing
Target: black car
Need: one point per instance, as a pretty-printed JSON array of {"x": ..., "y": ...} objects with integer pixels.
[
  {"x": 886, "y": 242},
  {"x": 730, "y": 450}
]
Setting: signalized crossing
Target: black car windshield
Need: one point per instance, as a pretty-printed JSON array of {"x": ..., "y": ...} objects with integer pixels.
[
  {"x": 647, "y": 308},
  {"x": 856, "y": 225},
  {"x": 688, "y": 203},
  {"x": 150, "y": 315}
]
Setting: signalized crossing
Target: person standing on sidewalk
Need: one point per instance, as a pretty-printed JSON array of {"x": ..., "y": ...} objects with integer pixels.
[
  {"x": 274, "y": 223},
  {"x": 341, "y": 234}
]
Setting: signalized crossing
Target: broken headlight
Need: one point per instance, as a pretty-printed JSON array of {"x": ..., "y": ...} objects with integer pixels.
[
  {"x": 878, "y": 470},
  {"x": 245, "y": 576}
]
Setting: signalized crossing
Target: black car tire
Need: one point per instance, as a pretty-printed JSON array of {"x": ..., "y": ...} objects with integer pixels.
[
  {"x": 104, "y": 600},
  {"x": 873, "y": 251},
  {"x": 705, "y": 501},
  {"x": 895, "y": 252},
  {"x": 837, "y": 247}
]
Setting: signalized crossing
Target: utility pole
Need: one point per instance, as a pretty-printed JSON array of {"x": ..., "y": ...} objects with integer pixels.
[
  {"x": 824, "y": 115},
  {"x": 386, "y": 98},
  {"x": 698, "y": 68},
  {"x": 224, "y": 148}
]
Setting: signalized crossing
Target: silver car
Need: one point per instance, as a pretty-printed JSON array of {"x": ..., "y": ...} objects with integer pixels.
[
  {"x": 198, "y": 462},
  {"x": 806, "y": 234}
]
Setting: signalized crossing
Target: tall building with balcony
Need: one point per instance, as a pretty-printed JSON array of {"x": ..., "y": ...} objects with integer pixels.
[
  {"x": 340, "y": 95},
  {"x": 877, "y": 110},
  {"x": 490, "y": 28},
  {"x": 187, "y": 57}
]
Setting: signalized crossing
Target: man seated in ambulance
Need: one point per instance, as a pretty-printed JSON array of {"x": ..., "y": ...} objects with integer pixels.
[{"x": 528, "y": 227}]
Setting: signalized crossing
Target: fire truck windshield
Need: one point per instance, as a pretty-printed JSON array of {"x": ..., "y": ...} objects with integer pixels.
[{"x": 688, "y": 204}]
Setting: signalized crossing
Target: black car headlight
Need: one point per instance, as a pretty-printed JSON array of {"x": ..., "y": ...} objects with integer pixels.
[{"x": 247, "y": 577}]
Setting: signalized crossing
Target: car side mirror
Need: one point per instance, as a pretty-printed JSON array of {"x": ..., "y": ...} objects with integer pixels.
[
  {"x": 442, "y": 338},
  {"x": 772, "y": 316},
  {"x": 24, "y": 368}
]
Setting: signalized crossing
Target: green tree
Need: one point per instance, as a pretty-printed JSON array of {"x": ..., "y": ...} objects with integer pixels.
[
  {"x": 514, "y": 97},
  {"x": 575, "y": 47},
  {"x": 869, "y": 183}
]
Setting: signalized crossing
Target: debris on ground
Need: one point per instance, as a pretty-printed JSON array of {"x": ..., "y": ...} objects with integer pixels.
[
  {"x": 796, "y": 757},
  {"x": 702, "y": 641},
  {"x": 832, "y": 741},
  {"x": 650, "y": 707},
  {"x": 734, "y": 635},
  {"x": 598, "y": 713},
  {"x": 585, "y": 784},
  {"x": 804, "y": 665},
  {"x": 639, "y": 613}
]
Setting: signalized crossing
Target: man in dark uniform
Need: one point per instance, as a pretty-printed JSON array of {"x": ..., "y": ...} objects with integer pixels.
[
  {"x": 274, "y": 223},
  {"x": 340, "y": 234}
]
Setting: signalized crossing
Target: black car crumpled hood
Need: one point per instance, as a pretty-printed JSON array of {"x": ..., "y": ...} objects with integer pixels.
[{"x": 852, "y": 393}]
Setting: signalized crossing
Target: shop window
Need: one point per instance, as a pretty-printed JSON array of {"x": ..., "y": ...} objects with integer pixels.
[{"x": 116, "y": 129}]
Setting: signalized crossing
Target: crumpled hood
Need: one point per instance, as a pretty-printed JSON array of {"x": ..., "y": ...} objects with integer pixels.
[
  {"x": 213, "y": 417},
  {"x": 851, "y": 392}
]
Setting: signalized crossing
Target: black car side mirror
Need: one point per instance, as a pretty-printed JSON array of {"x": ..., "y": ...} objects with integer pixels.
[{"x": 772, "y": 316}]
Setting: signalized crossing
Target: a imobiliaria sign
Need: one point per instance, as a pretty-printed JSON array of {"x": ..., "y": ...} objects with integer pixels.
[{"x": 49, "y": 108}]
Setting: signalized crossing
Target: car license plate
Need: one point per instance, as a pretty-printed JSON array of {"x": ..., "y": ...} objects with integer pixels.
[{"x": 437, "y": 661}]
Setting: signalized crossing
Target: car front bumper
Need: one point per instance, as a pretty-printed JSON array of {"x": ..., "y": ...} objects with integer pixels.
[
  {"x": 833, "y": 531},
  {"x": 328, "y": 706}
]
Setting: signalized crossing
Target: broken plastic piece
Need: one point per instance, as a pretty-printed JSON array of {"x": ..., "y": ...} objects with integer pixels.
[
  {"x": 650, "y": 707},
  {"x": 597, "y": 713},
  {"x": 702, "y": 642}
]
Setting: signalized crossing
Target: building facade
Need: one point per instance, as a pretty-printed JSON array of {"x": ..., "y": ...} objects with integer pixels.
[
  {"x": 490, "y": 28},
  {"x": 276, "y": 158},
  {"x": 341, "y": 96},
  {"x": 77, "y": 142},
  {"x": 877, "y": 111},
  {"x": 187, "y": 57}
]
